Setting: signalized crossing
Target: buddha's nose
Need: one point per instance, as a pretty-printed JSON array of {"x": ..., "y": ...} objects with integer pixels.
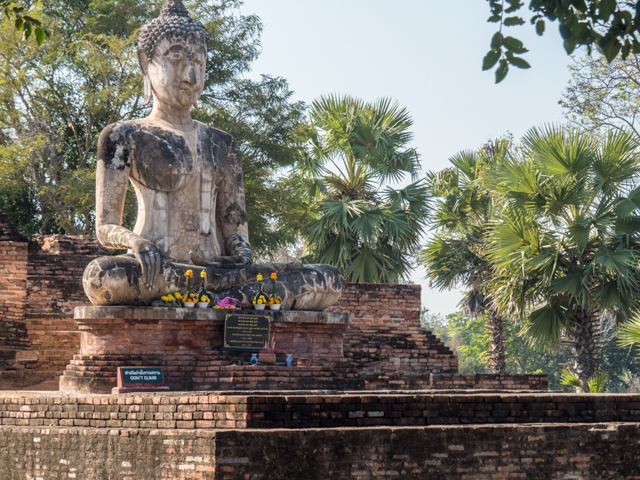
[{"x": 191, "y": 75}]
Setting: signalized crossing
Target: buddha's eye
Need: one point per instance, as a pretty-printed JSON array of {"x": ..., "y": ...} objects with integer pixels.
[{"x": 175, "y": 53}]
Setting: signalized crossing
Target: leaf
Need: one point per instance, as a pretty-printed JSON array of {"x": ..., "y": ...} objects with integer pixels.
[
  {"x": 39, "y": 35},
  {"x": 629, "y": 333},
  {"x": 514, "y": 5},
  {"x": 540, "y": 27},
  {"x": 514, "y": 45},
  {"x": 598, "y": 383},
  {"x": 512, "y": 21},
  {"x": 569, "y": 379},
  {"x": 519, "y": 62},
  {"x": 502, "y": 70},
  {"x": 607, "y": 7},
  {"x": 490, "y": 59},
  {"x": 545, "y": 324},
  {"x": 19, "y": 23},
  {"x": 32, "y": 20},
  {"x": 611, "y": 49},
  {"x": 496, "y": 41},
  {"x": 27, "y": 31}
]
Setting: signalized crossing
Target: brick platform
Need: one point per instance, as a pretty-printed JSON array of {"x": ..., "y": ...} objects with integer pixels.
[
  {"x": 318, "y": 435},
  {"x": 185, "y": 341},
  {"x": 321, "y": 409}
]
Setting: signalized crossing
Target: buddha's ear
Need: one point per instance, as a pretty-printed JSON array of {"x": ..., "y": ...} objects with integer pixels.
[{"x": 143, "y": 60}]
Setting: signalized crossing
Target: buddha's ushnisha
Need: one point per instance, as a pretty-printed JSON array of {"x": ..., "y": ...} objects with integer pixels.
[{"x": 189, "y": 185}]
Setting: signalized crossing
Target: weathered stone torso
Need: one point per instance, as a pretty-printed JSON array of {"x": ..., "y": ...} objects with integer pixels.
[{"x": 176, "y": 192}]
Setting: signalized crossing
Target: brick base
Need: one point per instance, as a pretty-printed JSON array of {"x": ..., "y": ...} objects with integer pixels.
[
  {"x": 533, "y": 452},
  {"x": 189, "y": 345}
]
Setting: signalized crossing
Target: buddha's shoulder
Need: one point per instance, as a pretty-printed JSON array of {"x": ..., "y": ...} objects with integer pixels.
[
  {"x": 120, "y": 131},
  {"x": 215, "y": 134}
]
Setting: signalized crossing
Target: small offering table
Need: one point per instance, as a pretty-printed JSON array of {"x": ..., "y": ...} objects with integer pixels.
[{"x": 183, "y": 340}]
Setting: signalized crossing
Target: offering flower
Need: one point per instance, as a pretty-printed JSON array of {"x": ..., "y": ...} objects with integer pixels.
[
  {"x": 203, "y": 294},
  {"x": 261, "y": 298},
  {"x": 275, "y": 299},
  {"x": 189, "y": 274},
  {"x": 174, "y": 299}
]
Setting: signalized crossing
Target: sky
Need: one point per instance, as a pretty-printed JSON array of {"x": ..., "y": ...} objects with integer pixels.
[{"x": 427, "y": 55}]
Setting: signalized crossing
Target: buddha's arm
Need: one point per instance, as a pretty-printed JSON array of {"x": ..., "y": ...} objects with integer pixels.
[
  {"x": 112, "y": 178},
  {"x": 231, "y": 211}
]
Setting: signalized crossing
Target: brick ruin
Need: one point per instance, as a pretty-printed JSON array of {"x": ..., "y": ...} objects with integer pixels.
[
  {"x": 384, "y": 347},
  {"x": 313, "y": 435},
  {"x": 412, "y": 415}
]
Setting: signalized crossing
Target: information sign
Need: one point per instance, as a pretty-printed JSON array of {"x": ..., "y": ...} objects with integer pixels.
[
  {"x": 246, "y": 332},
  {"x": 142, "y": 375}
]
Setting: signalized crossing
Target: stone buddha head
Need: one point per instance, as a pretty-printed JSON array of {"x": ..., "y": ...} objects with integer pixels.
[{"x": 172, "y": 52}]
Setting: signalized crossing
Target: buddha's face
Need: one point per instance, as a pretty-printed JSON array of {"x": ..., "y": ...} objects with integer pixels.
[{"x": 176, "y": 72}]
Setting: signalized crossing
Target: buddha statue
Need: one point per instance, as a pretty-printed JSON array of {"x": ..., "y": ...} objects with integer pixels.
[{"x": 190, "y": 193}]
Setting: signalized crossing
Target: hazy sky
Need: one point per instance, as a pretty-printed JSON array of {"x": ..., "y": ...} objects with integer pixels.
[{"x": 426, "y": 57}]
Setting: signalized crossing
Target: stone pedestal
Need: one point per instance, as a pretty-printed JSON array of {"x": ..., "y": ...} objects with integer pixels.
[{"x": 185, "y": 342}]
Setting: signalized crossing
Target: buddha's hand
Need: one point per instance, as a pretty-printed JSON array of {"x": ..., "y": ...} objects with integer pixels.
[
  {"x": 240, "y": 246},
  {"x": 149, "y": 258}
]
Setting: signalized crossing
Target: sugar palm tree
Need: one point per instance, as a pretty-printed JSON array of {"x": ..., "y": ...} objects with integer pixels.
[
  {"x": 567, "y": 245},
  {"x": 354, "y": 149},
  {"x": 456, "y": 255}
]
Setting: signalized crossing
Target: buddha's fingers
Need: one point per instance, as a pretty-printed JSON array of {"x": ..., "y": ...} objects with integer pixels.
[
  {"x": 157, "y": 268},
  {"x": 287, "y": 267},
  {"x": 227, "y": 259}
]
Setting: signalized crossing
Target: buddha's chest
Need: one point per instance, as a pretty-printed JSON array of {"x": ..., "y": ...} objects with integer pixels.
[{"x": 165, "y": 161}]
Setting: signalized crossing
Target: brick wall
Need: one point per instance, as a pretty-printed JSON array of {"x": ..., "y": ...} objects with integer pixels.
[
  {"x": 93, "y": 454},
  {"x": 437, "y": 453},
  {"x": 534, "y": 452},
  {"x": 312, "y": 410},
  {"x": 14, "y": 340},
  {"x": 381, "y": 304},
  {"x": 54, "y": 284},
  {"x": 385, "y": 340}
]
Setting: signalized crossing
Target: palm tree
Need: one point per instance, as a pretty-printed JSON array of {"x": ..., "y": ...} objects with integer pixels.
[
  {"x": 456, "y": 255},
  {"x": 354, "y": 149},
  {"x": 567, "y": 245}
]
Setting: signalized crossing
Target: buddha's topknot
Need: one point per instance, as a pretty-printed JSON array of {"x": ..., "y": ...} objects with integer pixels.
[{"x": 174, "y": 22}]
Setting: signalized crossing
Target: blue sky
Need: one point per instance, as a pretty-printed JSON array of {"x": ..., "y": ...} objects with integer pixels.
[{"x": 425, "y": 56}]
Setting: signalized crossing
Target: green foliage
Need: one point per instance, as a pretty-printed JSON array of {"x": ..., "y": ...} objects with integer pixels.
[
  {"x": 596, "y": 384},
  {"x": 610, "y": 25},
  {"x": 468, "y": 337},
  {"x": 456, "y": 255},
  {"x": 602, "y": 95},
  {"x": 630, "y": 332},
  {"x": 353, "y": 149},
  {"x": 57, "y": 99},
  {"x": 27, "y": 24},
  {"x": 565, "y": 249}
]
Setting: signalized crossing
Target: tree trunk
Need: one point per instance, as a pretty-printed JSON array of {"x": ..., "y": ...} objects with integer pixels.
[
  {"x": 584, "y": 348},
  {"x": 496, "y": 327}
]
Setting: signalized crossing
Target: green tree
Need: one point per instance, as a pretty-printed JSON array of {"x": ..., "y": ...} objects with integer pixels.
[
  {"x": 58, "y": 97},
  {"x": 609, "y": 25},
  {"x": 603, "y": 95},
  {"x": 456, "y": 255},
  {"x": 567, "y": 246},
  {"x": 23, "y": 22},
  {"x": 355, "y": 148}
]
